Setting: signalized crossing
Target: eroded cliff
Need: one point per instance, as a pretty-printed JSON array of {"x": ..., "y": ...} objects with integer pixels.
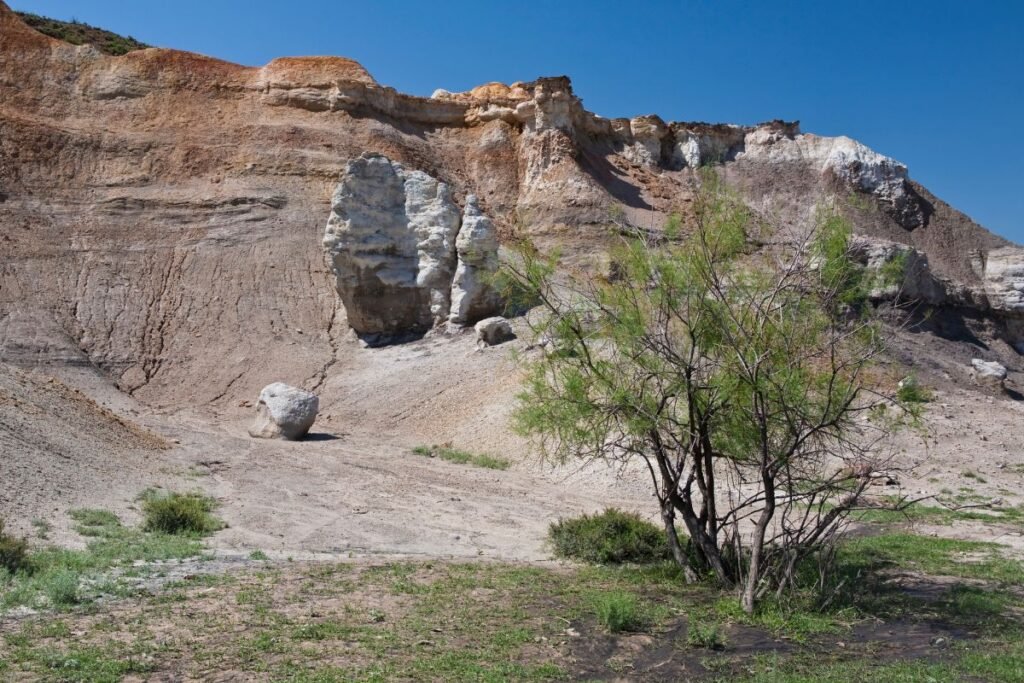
[{"x": 162, "y": 212}]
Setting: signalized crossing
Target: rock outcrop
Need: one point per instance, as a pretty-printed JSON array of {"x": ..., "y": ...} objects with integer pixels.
[
  {"x": 494, "y": 331},
  {"x": 988, "y": 373},
  {"x": 284, "y": 412},
  {"x": 400, "y": 252},
  {"x": 1004, "y": 279},
  {"x": 896, "y": 271},
  {"x": 390, "y": 241},
  {"x": 473, "y": 295},
  {"x": 170, "y": 235}
]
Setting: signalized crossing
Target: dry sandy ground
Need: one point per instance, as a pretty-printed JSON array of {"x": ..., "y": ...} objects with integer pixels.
[{"x": 355, "y": 487}]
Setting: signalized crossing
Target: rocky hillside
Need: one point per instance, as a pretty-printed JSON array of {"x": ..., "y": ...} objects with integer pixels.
[
  {"x": 162, "y": 213},
  {"x": 77, "y": 33}
]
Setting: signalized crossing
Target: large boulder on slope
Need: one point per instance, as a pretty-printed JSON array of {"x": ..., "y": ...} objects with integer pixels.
[
  {"x": 493, "y": 331},
  {"x": 284, "y": 412}
]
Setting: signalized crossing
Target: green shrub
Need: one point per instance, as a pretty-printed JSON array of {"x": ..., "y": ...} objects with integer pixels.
[
  {"x": 910, "y": 391},
  {"x": 618, "y": 611},
  {"x": 612, "y": 537},
  {"x": 61, "y": 587},
  {"x": 708, "y": 636},
  {"x": 13, "y": 552},
  {"x": 180, "y": 513}
]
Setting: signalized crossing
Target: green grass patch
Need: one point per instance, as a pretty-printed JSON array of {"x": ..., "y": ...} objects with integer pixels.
[
  {"x": 463, "y": 457},
  {"x": 61, "y": 578},
  {"x": 932, "y": 555},
  {"x": 619, "y": 611},
  {"x": 611, "y": 537},
  {"x": 935, "y": 514}
]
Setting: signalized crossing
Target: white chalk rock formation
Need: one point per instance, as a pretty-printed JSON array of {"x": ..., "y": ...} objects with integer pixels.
[
  {"x": 284, "y": 412},
  {"x": 1004, "y": 279},
  {"x": 390, "y": 241},
  {"x": 473, "y": 296},
  {"x": 493, "y": 331},
  {"x": 988, "y": 373},
  {"x": 856, "y": 164}
]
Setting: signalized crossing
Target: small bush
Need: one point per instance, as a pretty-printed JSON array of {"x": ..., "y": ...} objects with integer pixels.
[
  {"x": 618, "y": 611},
  {"x": 61, "y": 587},
  {"x": 708, "y": 636},
  {"x": 612, "y": 537},
  {"x": 13, "y": 552},
  {"x": 910, "y": 391},
  {"x": 180, "y": 513}
]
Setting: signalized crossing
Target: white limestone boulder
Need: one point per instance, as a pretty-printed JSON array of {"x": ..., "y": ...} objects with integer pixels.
[
  {"x": 493, "y": 331},
  {"x": 284, "y": 412},
  {"x": 988, "y": 373}
]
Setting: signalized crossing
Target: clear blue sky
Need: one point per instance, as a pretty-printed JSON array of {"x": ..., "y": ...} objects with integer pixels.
[{"x": 937, "y": 84}]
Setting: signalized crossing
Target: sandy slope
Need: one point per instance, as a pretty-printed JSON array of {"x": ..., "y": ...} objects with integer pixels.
[{"x": 356, "y": 488}]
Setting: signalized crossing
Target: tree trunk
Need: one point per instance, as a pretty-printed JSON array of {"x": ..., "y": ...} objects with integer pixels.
[
  {"x": 668, "y": 516},
  {"x": 757, "y": 543}
]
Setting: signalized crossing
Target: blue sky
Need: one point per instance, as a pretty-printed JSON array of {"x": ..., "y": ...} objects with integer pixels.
[{"x": 937, "y": 84}]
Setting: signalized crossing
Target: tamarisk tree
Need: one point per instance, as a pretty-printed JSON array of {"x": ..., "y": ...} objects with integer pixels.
[{"x": 739, "y": 380}]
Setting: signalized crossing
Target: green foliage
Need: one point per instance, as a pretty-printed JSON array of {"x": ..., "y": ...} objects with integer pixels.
[
  {"x": 516, "y": 298},
  {"x": 78, "y": 33},
  {"x": 911, "y": 391},
  {"x": 709, "y": 635},
  {"x": 460, "y": 457},
  {"x": 619, "y": 611},
  {"x": 61, "y": 587},
  {"x": 61, "y": 578},
  {"x": 611, "y": 537},
  {"x": 180, "y": 513},
  {"x": 14, "y": 555},
  {"x": 838, "y": 272},
  {"x": 707, "y": 362}
]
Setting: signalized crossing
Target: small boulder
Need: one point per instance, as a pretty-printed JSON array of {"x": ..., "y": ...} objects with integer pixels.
[
  {"x": 493, "y": 331},
  {"x": 989, "y": 373},
  {"x": 284, "y": 412}
]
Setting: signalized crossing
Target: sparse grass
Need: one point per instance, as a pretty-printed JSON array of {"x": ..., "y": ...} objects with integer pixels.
[
  {"x": 494, "y": 622},
  {"x": 179, "y": 513},
  {"x": 619, "y": 611},
  {"x": 258, "y": 555},
  {"x": 934, "y": 514},
  {"x": 42, "y": 527},
  {"x": 935, "y": 556},
  {"x": 611, "y": 537},
  {"x": 61, "y": 578},
  {"x": 968, "y": 474},
  {"x": 462, "y": 457}
]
